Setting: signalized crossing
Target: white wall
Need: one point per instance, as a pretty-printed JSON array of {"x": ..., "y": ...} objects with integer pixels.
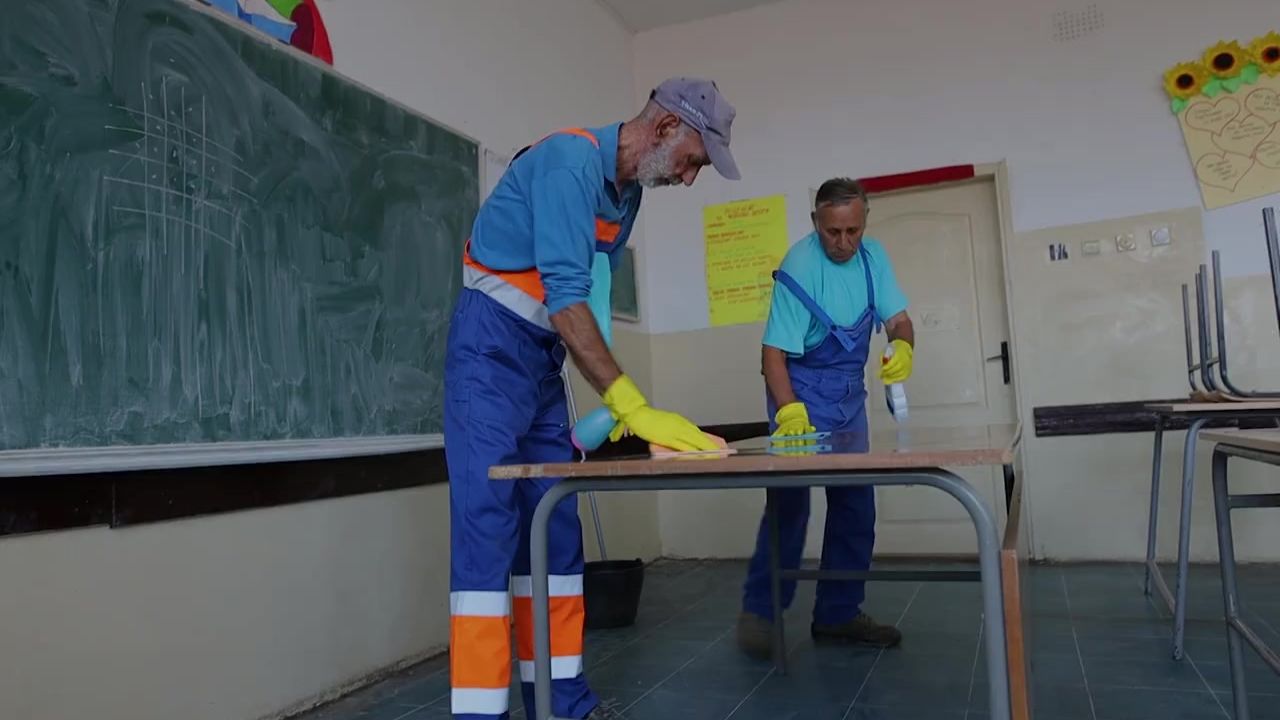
[
  {"x": 239, "y": 616},
  {"x": 829, "y": 87}
]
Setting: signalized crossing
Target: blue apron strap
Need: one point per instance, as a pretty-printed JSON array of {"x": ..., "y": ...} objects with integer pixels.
[
  {"x": 871, "y": 286},
  {"x": 814, "y": 309}
]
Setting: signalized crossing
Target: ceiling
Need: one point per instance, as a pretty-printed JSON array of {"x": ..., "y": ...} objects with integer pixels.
[{"x": 641, "y": 15}]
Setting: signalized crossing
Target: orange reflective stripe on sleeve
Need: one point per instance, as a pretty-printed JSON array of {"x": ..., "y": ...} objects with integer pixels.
[
  {"x": 606, "y": 231},
  {"x": 480, "y": 652},
  {"x": 580, "y": 132}
]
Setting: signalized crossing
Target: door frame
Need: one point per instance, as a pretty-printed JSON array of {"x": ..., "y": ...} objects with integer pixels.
[{"x": 998, "y": 174}]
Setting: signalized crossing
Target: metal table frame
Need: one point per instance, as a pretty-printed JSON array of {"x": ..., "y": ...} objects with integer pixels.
[
  {"x": 1237, "y": 629},
  {"x": 777, "y": 574},
  {"x": 1177, "y": 603},
  {"x": 944, "y": 480}
]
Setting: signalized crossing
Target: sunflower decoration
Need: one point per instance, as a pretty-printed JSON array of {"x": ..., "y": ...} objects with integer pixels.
[
  {"x": 1185, "y": 81},
  {"x": 1230, "y": 65},
  {"x": 1266, "y": 53}
]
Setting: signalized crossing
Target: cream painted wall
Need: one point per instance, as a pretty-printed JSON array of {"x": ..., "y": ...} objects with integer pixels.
[
  {"x": 240, "y": 616},
  {"x": 1108, "y": 328},
  {"x": 229, "y": 617},
  {"x": 825, "y": 87}
]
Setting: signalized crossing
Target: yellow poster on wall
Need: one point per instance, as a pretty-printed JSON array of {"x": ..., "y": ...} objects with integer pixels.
[
  {"x": 1228, "y": 106},
  {"x": 745, "y": 243}
]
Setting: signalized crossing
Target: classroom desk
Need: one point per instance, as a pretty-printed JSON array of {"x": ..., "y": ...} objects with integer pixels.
[
  {"x": 912, "y": 457},
  {"x": 1200, "y": 413},
  {"x": 1261, "y": 446}
]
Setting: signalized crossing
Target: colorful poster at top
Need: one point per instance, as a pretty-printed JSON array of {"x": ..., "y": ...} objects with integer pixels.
[
  {"x": 745, "y": 243},
  {"x": 1228, "y": 106},
  {"x": 296, "y": 22}
]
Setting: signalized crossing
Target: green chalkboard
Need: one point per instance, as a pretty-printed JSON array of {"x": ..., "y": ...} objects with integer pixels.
[{"x": 207, "y": 236}]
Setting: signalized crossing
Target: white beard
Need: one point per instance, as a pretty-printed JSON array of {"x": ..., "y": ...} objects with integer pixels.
[{"x": 656, "y": 168}]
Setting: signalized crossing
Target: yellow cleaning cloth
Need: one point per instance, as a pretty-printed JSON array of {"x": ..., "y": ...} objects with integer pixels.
[{"x": 660, "y": 451}]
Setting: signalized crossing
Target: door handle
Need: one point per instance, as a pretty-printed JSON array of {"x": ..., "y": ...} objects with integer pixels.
[{"x": 1003, "y": 357}]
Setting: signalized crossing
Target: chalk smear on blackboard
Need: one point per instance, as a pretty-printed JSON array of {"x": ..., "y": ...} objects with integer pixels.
[{"x": 208, "y": 237}]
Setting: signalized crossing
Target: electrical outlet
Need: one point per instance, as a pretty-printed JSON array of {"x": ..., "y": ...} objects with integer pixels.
[
  {"x": 1091, "y": 247},
  {"x": 1161, "y": 236},
  {"x": 1126, "y": 243}
]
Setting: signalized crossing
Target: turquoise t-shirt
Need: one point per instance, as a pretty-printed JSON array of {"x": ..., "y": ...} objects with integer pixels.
[{"x": 840, "y": 290}]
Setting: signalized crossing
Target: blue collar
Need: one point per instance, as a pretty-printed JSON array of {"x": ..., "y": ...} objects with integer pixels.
[{"x": 608, "y": 138}]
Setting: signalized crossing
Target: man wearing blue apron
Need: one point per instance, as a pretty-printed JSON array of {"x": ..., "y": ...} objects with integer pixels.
[
  {"x": 565, "y": 205},
  {"x": 834, "y": 288}
]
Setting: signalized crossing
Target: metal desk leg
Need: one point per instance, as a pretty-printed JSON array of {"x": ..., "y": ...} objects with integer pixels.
[
  {"x": 1184, "y": 535},
  {"x": 1227, "y": 560},
  {"x": 997, "y": 651},
  {"x": 775, "y": 583},
  {"x": 538, "y": 562},
  {"x": 1157, "y": 464}
]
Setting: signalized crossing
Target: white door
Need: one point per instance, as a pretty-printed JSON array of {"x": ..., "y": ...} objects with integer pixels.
[{"x": 945, "y": 246}]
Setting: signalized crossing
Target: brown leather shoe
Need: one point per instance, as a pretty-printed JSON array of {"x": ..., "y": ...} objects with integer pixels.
[
  {"x": 862, "y": 630},
  {"x": 607, "y": 710},
  {"x": 755, "y": 636}
]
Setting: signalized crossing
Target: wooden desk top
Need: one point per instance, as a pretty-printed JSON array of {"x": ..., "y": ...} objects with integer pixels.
[
  {"x": 892, "y": 449},
  {"x": 1210, "y": 408},
  {"x": 1267, "y": 441}
]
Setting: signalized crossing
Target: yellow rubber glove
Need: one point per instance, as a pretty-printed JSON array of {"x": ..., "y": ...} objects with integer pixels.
[
  {"x": 793, "y": 448},
  {"x": 659, "y": 427},
  {"x": 897, "y": 368},
  {"x": 793, "y": 419}
]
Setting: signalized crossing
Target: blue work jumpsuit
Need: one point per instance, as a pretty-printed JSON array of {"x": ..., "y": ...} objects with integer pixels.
[
  {"x": 505, "y": 404},
  {"x": 829, "y": 380}
]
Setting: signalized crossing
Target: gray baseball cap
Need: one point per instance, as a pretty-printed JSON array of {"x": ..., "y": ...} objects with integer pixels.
[{"x": 699, "y": 103}]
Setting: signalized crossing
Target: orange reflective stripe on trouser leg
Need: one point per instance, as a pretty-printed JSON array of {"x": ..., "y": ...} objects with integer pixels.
[
  {"x": 568, "y": 615},
  {"x": 479, "y": 652}
]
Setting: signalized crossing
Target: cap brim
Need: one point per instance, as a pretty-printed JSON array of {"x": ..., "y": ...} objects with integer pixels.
[{"x": 722, "y": 159}]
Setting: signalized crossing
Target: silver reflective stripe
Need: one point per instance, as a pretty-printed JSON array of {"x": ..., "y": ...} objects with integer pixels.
[{"x": 507, "y": 295}]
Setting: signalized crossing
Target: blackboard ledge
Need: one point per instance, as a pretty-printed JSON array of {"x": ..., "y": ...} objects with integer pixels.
[{"x": 74, "y": 461}]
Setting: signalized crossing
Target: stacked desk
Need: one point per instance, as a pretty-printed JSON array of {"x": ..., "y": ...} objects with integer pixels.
[
  {"x": 897, "y": 458},
  {"x": 1200, "y": 414},
  {"x": 1262, "y": 446}
]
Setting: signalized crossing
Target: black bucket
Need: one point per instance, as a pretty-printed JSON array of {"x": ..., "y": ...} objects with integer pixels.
[{"x": 611, "y": 592}]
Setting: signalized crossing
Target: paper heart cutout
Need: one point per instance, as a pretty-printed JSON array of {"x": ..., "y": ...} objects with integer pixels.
[
  {"x": 1223, "y": 171},
  {"x": 1243, "y": 136},
  {"x": 1265, "y": 103},
  {"x": 1268, "y": 155},
  {"x": 1212, "y": 117}
]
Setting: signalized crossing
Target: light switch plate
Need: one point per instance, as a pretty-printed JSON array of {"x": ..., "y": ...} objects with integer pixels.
[
  {"x": 1126, "y": 243},
  {"x": 1091, "y": 247},
  {"x": 1161, "y": 236}
]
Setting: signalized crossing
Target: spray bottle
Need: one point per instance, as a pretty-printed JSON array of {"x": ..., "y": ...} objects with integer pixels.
[
  {"x": 591, "y": 431},
  {"x": 895, "y": 395}
]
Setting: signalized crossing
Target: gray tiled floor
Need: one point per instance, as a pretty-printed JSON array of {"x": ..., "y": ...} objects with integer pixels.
[{"x": 1099, "y": 648}]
